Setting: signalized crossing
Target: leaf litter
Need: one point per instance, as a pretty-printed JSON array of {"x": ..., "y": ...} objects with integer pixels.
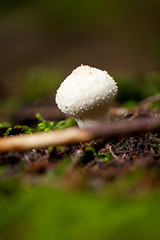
[{"x": 94, "y": 163}]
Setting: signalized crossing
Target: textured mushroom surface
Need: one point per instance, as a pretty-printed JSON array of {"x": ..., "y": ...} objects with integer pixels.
[{"x": 86, "y": 94}]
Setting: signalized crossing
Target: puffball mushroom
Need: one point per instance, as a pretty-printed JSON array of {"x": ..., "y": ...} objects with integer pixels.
[{"x": 86, "y": 95}]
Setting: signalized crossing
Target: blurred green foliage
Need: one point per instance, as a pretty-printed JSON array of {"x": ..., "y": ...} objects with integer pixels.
[
  {"x": 5, "y": 124},
  {"x": 10, "y": 5},
  {"x": 39, "y": 84},
  {"x": 39, "y": 211},
  {"x": 80, "y": 14},
  {"x": 155, "y": 105},
  {"x": 35, "y": 84},
  {"x": 32, "y": 85},
  {"x": 132, "y": 89},
  {"x": 61, "y": 14}
]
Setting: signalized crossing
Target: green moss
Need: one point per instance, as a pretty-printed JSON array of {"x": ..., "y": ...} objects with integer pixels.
[
  {"x": 45, "y": 126},
  {"x": 105, "y": 156},
  {"x": 40, "y": 211},
  {"x": 7, "y": 131}
]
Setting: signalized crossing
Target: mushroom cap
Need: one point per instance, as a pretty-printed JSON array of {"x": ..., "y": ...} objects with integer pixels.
[{"x": 84, "y": 89}]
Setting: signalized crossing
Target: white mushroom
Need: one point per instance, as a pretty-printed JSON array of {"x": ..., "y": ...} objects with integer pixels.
[{"x": 86, "y": 95}]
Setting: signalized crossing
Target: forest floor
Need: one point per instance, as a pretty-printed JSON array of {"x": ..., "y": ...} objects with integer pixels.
[{"x": 86, "y": 181}]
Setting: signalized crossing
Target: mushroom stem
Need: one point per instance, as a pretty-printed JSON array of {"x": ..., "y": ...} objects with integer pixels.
[
  {"x": 89, "y": 122},
  {"x": 92, "y": 118}
]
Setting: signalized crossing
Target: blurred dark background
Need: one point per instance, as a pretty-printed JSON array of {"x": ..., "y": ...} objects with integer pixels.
[{"x": 52, "y": 37}]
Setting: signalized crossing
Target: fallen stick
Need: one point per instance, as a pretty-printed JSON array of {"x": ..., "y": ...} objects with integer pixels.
[
  {"x": 76, "y": 135},
  {"x": 44, "y": 139}
]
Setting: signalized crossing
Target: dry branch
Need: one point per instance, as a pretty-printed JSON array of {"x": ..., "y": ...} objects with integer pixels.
[{"x": 76, "y": 135}]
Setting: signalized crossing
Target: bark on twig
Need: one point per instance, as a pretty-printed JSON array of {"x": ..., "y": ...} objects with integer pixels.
[{"x": 76, "y": 135}]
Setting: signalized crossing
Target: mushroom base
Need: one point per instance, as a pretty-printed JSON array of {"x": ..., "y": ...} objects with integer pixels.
[{"x": 92, "y": 120}]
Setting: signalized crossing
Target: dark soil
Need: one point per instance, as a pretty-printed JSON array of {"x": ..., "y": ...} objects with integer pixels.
[{"x": 128, "y": 154}]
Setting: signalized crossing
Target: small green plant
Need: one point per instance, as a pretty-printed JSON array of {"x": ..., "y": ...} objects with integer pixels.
[
  {"x": 157, "y": 146},
  {"x": 7, "y": 131},
  {"x": 154, "y": 140},
  {"x": 105, "y": 156},
  {"x": 152, "y": 137},
  {"x": 8, "y": 127},
  {"x": 50, "y": 125},
  {"x": 65, "y": 123},
  {"x": 44, "y": 125},
  {"x": 25, "y": 129}
]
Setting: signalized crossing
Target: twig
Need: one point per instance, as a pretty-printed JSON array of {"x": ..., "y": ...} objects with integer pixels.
[
  {"x": 76, "y": 135},
  {"x": 44, "y": 139},
  {"x": 117, "y": 158}
]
